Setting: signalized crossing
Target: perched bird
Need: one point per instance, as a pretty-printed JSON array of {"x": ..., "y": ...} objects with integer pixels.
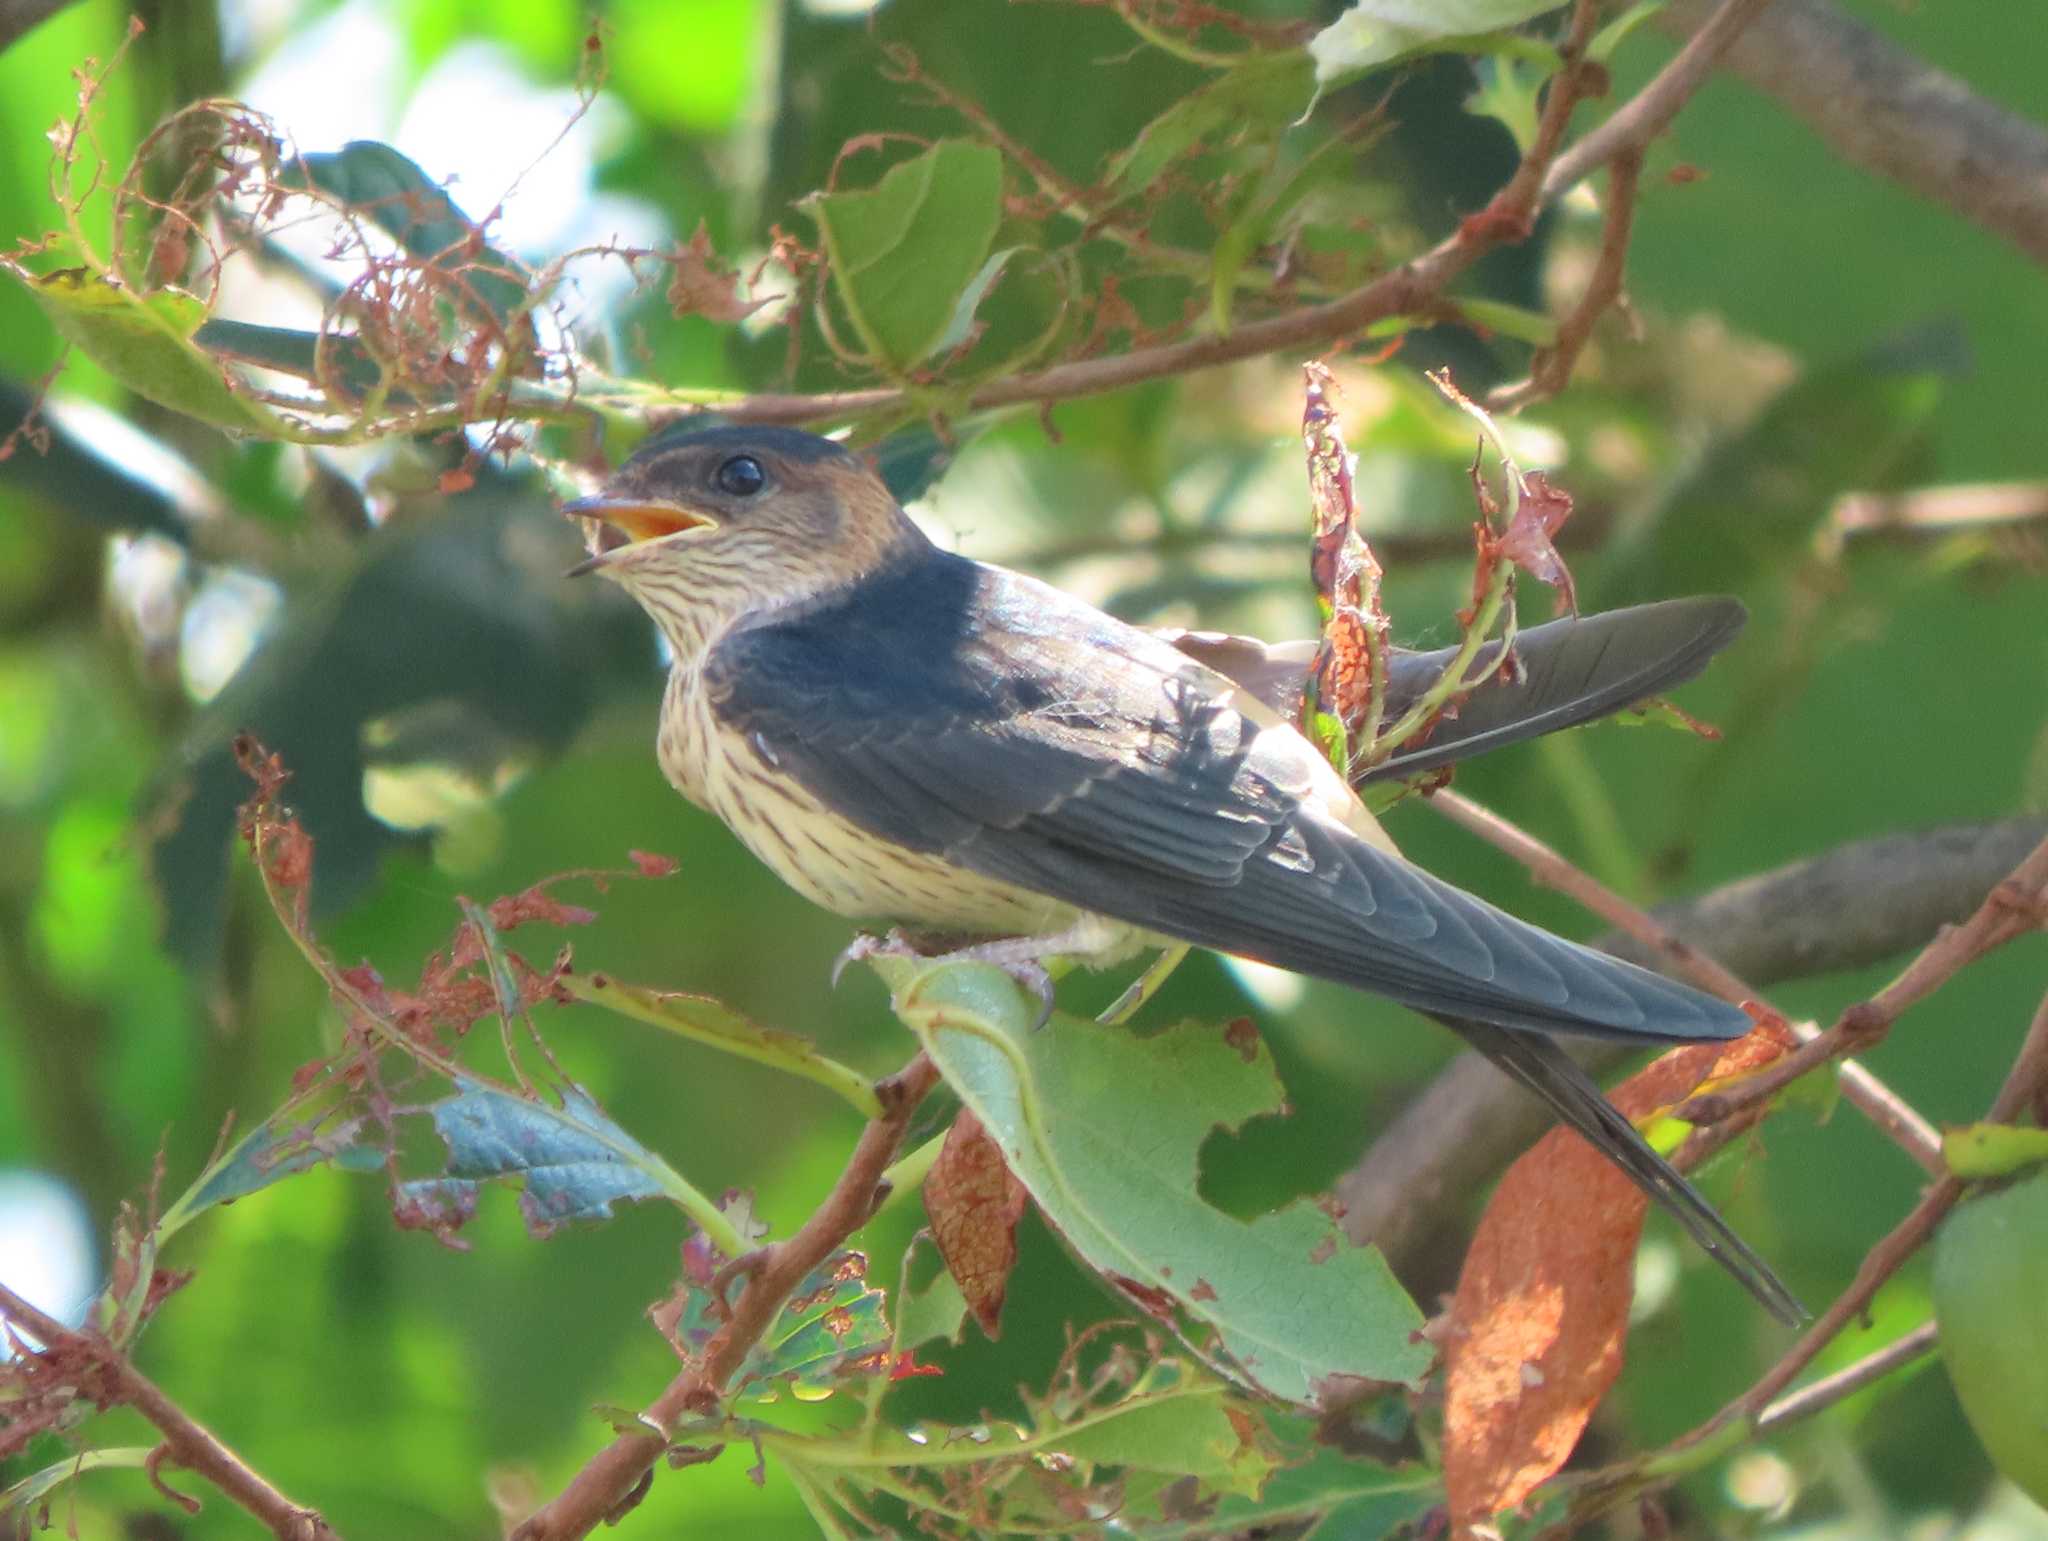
[{"x": 906, "y": 735}]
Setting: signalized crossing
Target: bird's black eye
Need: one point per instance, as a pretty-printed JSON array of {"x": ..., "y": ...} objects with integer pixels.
[{"x": 741, "y": 476}]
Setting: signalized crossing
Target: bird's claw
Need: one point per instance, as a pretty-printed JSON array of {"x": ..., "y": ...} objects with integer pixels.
[
  {"x": 867, "y": 945},
  {"x": 1031, "y": 974}
]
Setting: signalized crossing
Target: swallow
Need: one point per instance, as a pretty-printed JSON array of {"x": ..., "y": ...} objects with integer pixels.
[{"x": 905, "y": 735}]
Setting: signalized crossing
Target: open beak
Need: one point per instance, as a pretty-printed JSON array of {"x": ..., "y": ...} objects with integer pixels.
[{"x": 618, "y": 524}]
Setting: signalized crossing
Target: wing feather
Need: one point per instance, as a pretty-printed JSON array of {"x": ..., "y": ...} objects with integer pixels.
[{"x": 1025, "y": 736}]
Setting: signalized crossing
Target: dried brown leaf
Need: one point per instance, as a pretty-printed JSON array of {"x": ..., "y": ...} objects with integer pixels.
[
  {"x": 974, "y": 1202},
  {"x": 702, "y": 284},
  {"x": 1542, "y": 1304}
]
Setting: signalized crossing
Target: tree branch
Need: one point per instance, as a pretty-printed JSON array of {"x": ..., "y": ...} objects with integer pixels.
[
  {"x": 1849, "y": 908},
  {"x": 1410, "y": 289},
  {"x": 101, "y": 1372},
  {"x": 1882, "y": 108},
  {"x": 1553, "y": 366},
  {"x": 615, "y": 1478}
]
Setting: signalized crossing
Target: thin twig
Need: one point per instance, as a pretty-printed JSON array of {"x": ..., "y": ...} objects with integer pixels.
[
  {"x": 1649, "y": 112},
  {"x": 1830, "y": 1389},
  {"x": 1551, "y": 370},
  {"x": 612, "y": 1480},
  {"x": 1885, "y": 1107},
  {"x": 2013, "y": 908},
  {"x": 1844, "y": 909},
  {"x": 1940, "y": 510},
  {"x": 2021, "y": 1086},
  {"x": 187, "y": 1442}
]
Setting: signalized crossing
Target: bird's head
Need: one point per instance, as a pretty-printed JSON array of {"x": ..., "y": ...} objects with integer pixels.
[{"x": 703, "y": 527}]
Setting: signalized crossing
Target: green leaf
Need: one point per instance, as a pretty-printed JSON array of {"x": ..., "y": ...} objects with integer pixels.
[
  {"x": 1269, "y": 92},
  {"x": 1340, "y": 1496},
  {"x": 1113, "y": 1165},
  {"x": 905, "y": 251},
  {"x": 704, "y": 1020},
  {"x": 416, "y": 212},
  {"x": 1992, "y": 1150},
  {"x": 288, "y": 350},
  {"x": 831, "y": 1327},
  {"x": 145, "y": 342},
  {"x": 1190, "y": 1436},
  {"x": 23, "y": 1496},
  {"x": 1615, "y": 33},
  {"x": 574, "y": 1161},
  {"x": 1509, "y": 90},
  {"x": 287, "y": 1143},
  {"x": 1376, "y": 32}
]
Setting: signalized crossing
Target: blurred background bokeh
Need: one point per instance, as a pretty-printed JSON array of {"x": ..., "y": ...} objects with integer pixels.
[{"x": 461, "y": 721}]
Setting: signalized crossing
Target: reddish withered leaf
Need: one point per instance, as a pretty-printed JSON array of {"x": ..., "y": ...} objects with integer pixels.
[
  {"x": 974, "y": 1203},
  {"x": 1536, "y": 1329},
  {"x": 1346, "y": 574},
  {"x": 702, "y": 285},
  {"x": 1539, "y": 515}
]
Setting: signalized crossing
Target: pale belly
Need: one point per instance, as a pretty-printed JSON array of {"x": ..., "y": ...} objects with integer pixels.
[{"x": 844, "y": 868}]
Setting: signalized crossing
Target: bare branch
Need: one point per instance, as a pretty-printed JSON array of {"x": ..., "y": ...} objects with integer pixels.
[
  {"x": 612, "y": 1481},
  {"x": 187, "y": 1442},
  {"x": 2014, "y": 907},
  {"x": 1830, "y": 1389},
  {"x": 1882, "y": 108},
  {"x": 1649, "y": 112},
  {"x": 1552, "y": 368},
  {"x": 1846, "y": 909}
]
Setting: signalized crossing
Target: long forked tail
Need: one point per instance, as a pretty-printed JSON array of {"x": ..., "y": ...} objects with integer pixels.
[{"x": 1542, "y": 1066}]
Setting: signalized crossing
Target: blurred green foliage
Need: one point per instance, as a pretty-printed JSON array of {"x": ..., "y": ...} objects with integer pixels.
[{"x": 461, "y": 722}]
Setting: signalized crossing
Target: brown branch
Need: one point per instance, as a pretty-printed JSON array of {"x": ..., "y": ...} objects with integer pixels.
[
  {"x": 1552, "y": 367},
  {"x": 1846, "y": 909},
  {"x": 1649, "y": 112},
  {"x": 103, "y": 1373},
  {"x": 612, "y": 1481},
  {"x": 2014, "y": 907},
  {"x": 1412, "y": 288},
  {"x": 1924, "y": 511},
  {"x": 1889, "y": 1111},
  {"x": 1830, "y": 1389},
  {"x": 1878, "y": 106},
  {"x": 2022, "y": 1082}
]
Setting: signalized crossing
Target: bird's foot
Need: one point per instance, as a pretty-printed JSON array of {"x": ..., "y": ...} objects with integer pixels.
[{"x": 1021, "y": 957}]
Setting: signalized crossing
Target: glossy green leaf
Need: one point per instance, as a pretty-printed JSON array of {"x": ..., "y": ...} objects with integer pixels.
[
  {"x": 1291, "y": 1302},
  {"x": 145, "y": 342},
  {"x": 1376, "y": 32},
  {"x": 906, "y": 251}
]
